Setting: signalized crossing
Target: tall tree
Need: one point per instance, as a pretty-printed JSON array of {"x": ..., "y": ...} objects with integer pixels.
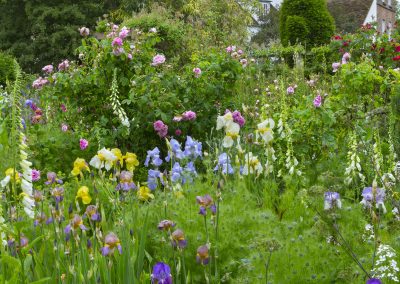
[{"x": 305, "y": 21}]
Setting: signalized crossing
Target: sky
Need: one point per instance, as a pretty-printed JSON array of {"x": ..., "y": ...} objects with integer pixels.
[{"x": 277, "y": 2}]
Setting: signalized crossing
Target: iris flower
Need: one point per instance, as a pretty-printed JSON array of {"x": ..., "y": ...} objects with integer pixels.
[
  {"x": 144, "y": 193},
  {"x": 104, "y": 159},
  {"x": 111, "y": 242},
  {"x": 161, "y": 274},
  {"x": 252, "y": 165},
  {"x": 332, "y": 199},
  {"x": 264, "y": 129},
  {"x": 178, "y": 239},
  {"x": 202, "y": 255},
  {"x": 205, "y": 202},
  {"x": 166, "y": 225},
  {"x": 83, "y": 193},
  {"x": 131, "y": 161},
  {"x": 370, "y": 195},
  {"x": 126, "y": 182},
  {"x": 80, "y": 165}
]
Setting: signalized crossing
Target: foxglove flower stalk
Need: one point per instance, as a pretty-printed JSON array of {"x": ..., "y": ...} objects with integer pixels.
[
  {"x": 353, "y": 171},
  {"x": 116, "y": 105},
  {"x": 161, "y": 274},
  {"x": 332, "y": 200}
]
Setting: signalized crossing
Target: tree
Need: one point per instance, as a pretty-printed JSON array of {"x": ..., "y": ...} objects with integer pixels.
[
  {"x": 269, "y": 28},
  {"x": 316, "y": 27},
  {"x": 41, "y": 32}
]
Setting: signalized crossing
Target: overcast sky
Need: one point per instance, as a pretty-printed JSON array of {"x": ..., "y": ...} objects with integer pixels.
[{"x": 277, "y": 2}]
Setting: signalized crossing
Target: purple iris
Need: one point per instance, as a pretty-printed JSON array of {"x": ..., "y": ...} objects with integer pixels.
[
  {"x": 332, "y": 200},
  {"x": 58, "y": 194},
  {"x": 176, "y": 173},
  {"x": 153, "y": 157},
  {"x": 205, "y": 202},
  {"x": 161, "y": 274},
  {"x": 374, "y": 281},
  {"x": 193, "y": 148},
  {"x": 224, "y": 163},
  {"x": 178, "y": 239},
  {"x": 176, "y": 151},
  {"x": 92, "y": 213},
  {"x": 152, "y": 179},
  {"x": 368, "y": 198},
  {"x": 52, "y": 178},
  {"x": 202, "y": 255}
]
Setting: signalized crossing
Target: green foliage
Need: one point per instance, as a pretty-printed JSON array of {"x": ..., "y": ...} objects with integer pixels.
[
  {"x": 6, "y": 68},
  {"x": 269, "y": 28},
  {"x": 317, "y": 23}
]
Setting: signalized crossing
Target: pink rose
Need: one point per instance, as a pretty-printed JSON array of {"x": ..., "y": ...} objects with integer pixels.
[
  {"x": 48, "y": 69},
  {"x": 84, "y": 31},
  {"x": 83, "y": 143},
  {"x": 189, "y": 115},
  {"x": 35, "y": 175},
  {"x": 64, "y": 127},
  {"x": 117, "y": 42},
  {"x": 158, "y": 60},
  {"x": 197, "y": 72},
  {"x": 63, "y": 65},
  {"x": 124, "y": 32}
]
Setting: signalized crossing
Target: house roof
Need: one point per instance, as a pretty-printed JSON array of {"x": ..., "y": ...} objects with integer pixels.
[{"x": 349, "y": 15}]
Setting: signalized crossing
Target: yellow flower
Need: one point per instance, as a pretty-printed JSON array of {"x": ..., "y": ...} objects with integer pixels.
[
  {"x": 117, "y": 152},
  {"x": 83, "y": 193},
  {"x": 131, "y": 161},
  {"x": 144, "y": 193},
  {"x": 10, "y": 173},
  {"x": 79, "y": 166}
]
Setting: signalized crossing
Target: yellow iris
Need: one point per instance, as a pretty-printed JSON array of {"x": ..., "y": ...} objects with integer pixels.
[
  {"x": 144, "y": 193},
  {"x": 117, "y": 152},
  {"x": 79, "y": 166},
  {"x": 83, "y": 193},
  {"x": 131, "y": 161}
]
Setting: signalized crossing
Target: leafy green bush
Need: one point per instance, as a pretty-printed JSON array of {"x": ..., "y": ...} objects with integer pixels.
[{"x": 6, "y": 68}]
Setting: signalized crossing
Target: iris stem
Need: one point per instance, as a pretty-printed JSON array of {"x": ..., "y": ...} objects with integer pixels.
[{"x": 267, "y": 266}]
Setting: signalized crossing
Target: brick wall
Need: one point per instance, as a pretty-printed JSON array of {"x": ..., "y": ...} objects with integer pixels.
[{"x": 385, "y": 14}]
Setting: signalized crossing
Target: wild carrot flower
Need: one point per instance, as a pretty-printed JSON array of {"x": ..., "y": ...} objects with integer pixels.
[
  {"x": 332, "y": 200},
  {"x": 144, "y": 193},
  {"x": 166, "y": 225},
  {"x": 202, "y": 255},
  {"x": 158, "y": 60},
  {"x": 161, "y": 274},
  {"x": 178, "y": 239},
  {"x": 111, "y": 242},
  {"x": 83, "y": 144},
  {"x": 83, "y": 194}
]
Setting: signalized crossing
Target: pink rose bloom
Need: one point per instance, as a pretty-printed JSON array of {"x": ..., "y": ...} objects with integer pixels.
[
  {"x": 124, "y": 32},
  {"x": 158, "y": 60},
  {"x": 335, "y": 66},
  {"x": 63, "y": 65},
  {"x": 39, "y": 83},
  {"x": 48, "y": 69},
  {"x": 189, "y": 115},
  {"x": 160, "y": 128},
  {"x": 84, "y": 31},
  {"x": 318, "y": 101},
  {"x": 64, "y": 127},
  {"x": 83, "y": 143},
  {"x": 290, "y": 90},
  {"x": 178, "y": 132},
  {"x": 346, "y": 58},
  {"x": 115, "y": 28},
  {"x": 240, "y": 52},
  {"x": 229, "y": 49},
  {"x": 117, "y": 42},
  {"x": 35, "y": 175},
  {"x": 197, "y": 72}
]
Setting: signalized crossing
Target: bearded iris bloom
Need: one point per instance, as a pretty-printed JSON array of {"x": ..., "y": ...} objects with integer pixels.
[
  {"x": 332, "y": 200},
  {"x": 193, "y": 148},
  {"x": 152, "y": 179},
  {"x": 144, "y": 193},
  {"x": 80, "y": 165},
  {"x": 175, "y": 150},
  {"x": 264, "y": 129},
  {"x": 131, "y": 161},
  {"x": 202, "y": 255},
  {"x": 126, "y": 182},
  {"x": 161, "y": 274},
  {"x": 153, "y": 157},
  {"x": 83, "y": 193},
  {"x": 205, "y": 202},
  {"x": 177, "y": 173},
  {"x": 371, "y": 195},
  {"x": 58, "y": 194},
  {"x": 252, "y": 165},
  {"x": 92, "y": 213},
  {"x": 52, "y": 178},
  {"x": 166, "y": 225},
  {"x": 111, "y": 242},
  {"x": 104, "y": 159},
  {"x": 75, "y": 224},
  {"x": 178, "y": 239},
  {"x": 224, "y": 163},
  {"x": 374, "y": 281}
]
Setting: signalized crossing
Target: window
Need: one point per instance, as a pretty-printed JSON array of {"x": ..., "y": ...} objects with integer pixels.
[
  {"x": 266, "y": 8},
  {"x": 389, "y": 2},
  {"x": 383, "y": 26}
]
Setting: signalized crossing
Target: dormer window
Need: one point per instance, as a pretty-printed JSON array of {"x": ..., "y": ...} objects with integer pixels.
[{"x": 266, "y": 8}]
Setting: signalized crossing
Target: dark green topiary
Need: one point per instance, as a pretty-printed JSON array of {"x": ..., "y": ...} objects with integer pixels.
[
  {"x": 6, "y": 68},
  {"x": 306, "y": 21}
]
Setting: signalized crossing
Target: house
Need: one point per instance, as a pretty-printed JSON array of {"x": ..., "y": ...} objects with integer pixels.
[
  {"x": 266, "y": 6},
  {"x": 383, "y": 12}
]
